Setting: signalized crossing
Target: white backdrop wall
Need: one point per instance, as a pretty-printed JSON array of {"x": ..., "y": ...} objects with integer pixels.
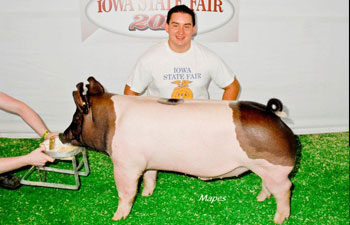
[{"x": 295, "y": 50}]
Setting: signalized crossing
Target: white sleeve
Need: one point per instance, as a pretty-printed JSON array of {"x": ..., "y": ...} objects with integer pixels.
[
  {"x": 140, "y": 77},
  {"x": 221, "y": 74}
]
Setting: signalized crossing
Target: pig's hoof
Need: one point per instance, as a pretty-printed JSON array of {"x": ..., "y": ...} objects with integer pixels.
[
  {"x": 116, "y": 218},
  {"x": 279, "y": 217},
  {"x": 119, "y": 215},
  {"x": 262, "y": 196},
  {"x": 148, "y": 190},
  {"x": 146, "y": 193}
]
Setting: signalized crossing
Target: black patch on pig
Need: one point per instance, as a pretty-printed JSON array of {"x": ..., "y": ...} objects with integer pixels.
[
  {"x": 262, "y": 134},
  {"x": 170, "y": 101}
]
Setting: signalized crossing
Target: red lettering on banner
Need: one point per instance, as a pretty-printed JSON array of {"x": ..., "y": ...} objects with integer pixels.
[
  {"x": 157, "y": 5},
  {"x": 99, "y": 7},
  {"x": 157, "y": 22},
  {"x": 143, "y": 22},
  {"x": 103, "y": 6},
  {"x": 168, "y": 5},
  {"x": 209, "y": 5},
  {"x": 127, "y": 17},
  {"x": 144, "y": 3},
  {"x": 201, "y": 3},
  {"x": 129, "y": 3},
  {"x": 151, "y": 6},
  {"x": 108, "y": 5},
  {"x": 218, "y": 5},
  {"x": 206, "y": 6},
  {"x": 178, "y": 2},
  {"x": 161, "y": 4}
]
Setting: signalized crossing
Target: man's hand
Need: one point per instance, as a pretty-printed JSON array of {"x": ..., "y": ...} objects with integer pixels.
[{"x": 38, "y": 157}]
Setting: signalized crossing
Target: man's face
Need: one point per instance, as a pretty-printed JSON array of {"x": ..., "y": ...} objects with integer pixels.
[{"x": 180, "y": 30}]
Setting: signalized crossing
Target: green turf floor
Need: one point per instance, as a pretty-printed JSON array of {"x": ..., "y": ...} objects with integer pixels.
[{"x": 320, "y": 193}]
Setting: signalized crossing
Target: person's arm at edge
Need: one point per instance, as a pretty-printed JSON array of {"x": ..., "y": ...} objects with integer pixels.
[
  {"x": 29, "y": 116},
  {"x": 231, "y": 91},
  {"x": 35, "y": 158}
]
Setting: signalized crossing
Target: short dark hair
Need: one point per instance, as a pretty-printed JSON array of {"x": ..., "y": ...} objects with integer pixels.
[{"x": 181, "y": 9}]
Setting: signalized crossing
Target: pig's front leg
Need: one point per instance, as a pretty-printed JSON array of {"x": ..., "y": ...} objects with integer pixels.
[
  {"x": 149, "y": 182},
  {"x": 126, "y": 180}
]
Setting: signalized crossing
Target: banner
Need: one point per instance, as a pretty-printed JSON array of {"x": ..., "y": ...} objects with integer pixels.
[{"x": 138, "y": 20}]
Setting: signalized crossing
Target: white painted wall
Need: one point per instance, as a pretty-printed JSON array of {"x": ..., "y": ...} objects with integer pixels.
[{"x": 295, "y": 50}]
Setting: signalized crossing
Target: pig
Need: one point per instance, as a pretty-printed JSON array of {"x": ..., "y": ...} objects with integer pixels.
[{"x": 208, "y": 139}]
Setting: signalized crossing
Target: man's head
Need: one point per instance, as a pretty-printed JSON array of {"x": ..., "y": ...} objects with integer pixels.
[
  {"x": 180, "y": 26},
  {"x": 181, "y": 9}
]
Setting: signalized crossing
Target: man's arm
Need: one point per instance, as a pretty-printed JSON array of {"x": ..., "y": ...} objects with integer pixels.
[
  {"x": 231, "y": 91},
  {"x": 128, "y": 91}
]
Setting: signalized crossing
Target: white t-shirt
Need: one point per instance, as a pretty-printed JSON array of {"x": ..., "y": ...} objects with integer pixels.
[{"x": 168, "y": 74}]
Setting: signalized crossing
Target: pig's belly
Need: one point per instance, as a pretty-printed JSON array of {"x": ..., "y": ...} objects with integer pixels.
[
  {"x": 196, "y": 165},
  {"x": 205, "y": 154},
  {"x": 198, "y": 140}
]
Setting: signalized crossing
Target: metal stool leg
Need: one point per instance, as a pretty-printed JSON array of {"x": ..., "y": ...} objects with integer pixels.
[
  {"x": 75, "y": 171},
  {"x": 86, "y": 164}
]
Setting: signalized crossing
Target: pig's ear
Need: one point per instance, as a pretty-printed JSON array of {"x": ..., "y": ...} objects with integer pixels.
[
  {"x": 94, "y": 87},
  {"x": 79, "y": 98}
]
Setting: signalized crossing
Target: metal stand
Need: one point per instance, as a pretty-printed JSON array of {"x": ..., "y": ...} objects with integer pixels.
[{"x": 70, "y": 156}]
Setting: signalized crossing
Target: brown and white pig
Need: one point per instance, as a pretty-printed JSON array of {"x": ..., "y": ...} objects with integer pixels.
[{"x": 204, "y": 138}]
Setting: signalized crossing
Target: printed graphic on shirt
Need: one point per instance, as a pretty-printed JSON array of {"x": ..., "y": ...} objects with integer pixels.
[
  {"x": 182, "y": 90},
  {"x": 182, "y": 73}
]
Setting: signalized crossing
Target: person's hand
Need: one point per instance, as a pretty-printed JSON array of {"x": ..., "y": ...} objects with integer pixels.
[
  {"x": 51, "y": 135},
  {"x": 38, "y": 157}
]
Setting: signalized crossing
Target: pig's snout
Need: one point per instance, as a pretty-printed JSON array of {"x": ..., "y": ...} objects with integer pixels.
[{"x": 62, "y": 138}]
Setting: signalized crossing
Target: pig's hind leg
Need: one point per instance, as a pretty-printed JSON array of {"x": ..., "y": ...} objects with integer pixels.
[
  {"x": 126, "y": 181},
  {"x": 149, "y": 182},
  {"x": 275, "y": 181}
]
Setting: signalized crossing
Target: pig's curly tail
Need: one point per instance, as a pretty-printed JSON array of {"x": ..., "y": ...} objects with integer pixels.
[{"x": 275, "y": 105}]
